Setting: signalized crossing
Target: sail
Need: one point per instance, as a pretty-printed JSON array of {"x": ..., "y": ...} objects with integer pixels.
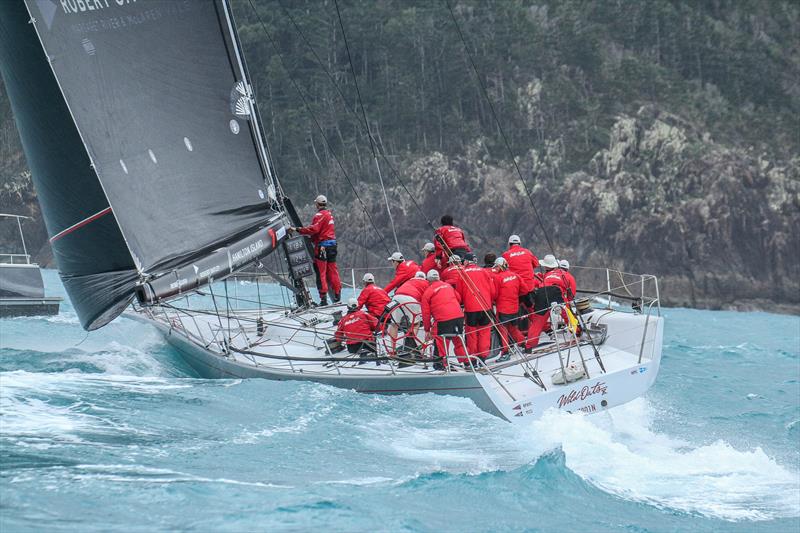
[
  {"x": 163, "y": 137},
  {"x": 92, "y": 258}
]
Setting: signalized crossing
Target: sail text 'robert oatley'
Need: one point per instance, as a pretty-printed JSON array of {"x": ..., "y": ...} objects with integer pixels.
[{"x": 81, "y": 6}]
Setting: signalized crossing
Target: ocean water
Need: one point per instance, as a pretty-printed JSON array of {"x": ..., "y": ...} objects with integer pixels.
[{"x": 110, "y": 431}]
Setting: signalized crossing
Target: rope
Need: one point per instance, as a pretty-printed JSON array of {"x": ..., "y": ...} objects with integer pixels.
[
  {"x": 316, "y": 122},
  {"x": 366, "y": 123},
  {"x": 500, "y": 128},
  {"x": 386, "y": 160}
]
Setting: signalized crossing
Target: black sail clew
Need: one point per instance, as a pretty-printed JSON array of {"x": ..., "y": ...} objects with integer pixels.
[{"x": 141, "y": 141}]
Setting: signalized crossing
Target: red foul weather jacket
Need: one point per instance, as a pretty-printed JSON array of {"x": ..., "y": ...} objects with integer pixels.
[
  {"x": 356, "y": 326},
  {"x": 477, "y": 289},
  {"x": 522, "y": 261},
  {"x": 440, "y": 302},
  {"x": 558, "y": 278},
  {"x": 374, "y": 298},
  {"x": 414, "y": 287},
  {"x": 321, "y": 227},
  {"x": 404, "y": 272},
  {"x": 509, "y": 288},
  {"x": 452, "y": 275},
  {"x": 572, "y": 284},
  {"x": 429, "y": 263},
  {"x": 452, "y": 236}
]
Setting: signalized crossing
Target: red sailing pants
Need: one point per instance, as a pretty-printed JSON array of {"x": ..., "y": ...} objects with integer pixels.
[
  {"x": 454, "y": 329},
  {"x": 537, "y": 325},
  {"x": 508, "y": 328},
  {"x": 478, "y": 333},
  {"x": 327, "y": 271}
]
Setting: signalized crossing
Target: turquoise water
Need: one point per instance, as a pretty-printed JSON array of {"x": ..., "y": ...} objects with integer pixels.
[{"x": 110, "y": 431}]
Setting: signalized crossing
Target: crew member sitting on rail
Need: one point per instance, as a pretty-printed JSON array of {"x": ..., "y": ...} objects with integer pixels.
[
  {"x": 543, "y": 297},
  {"x": 404, "y": 270},
  {"x": 356, "y": 329},
  {"x": 373, "y": 297},
  {"x": 450, "y": 239},
  {"x": 442, "y": 319},
  {"x": 477, "y": 292},
  {"x": 510, "y": 289},
  {"x": 454, "y": 272},
  {"x": 323, "y": 235},
  {"x": 429, "y": 262},
  {"x": 572, "y": 285}
]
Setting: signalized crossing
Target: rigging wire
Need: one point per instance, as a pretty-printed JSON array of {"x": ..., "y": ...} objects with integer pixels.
[
  {"x": 366, "y": 123},
  {"x": 316, "y": 122},
  {"x": 335, "y": 84},
  {"x": 500, "y": 128}
]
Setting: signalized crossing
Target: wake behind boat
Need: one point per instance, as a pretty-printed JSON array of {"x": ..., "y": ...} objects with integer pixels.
[{"x": 154, "y": 121}]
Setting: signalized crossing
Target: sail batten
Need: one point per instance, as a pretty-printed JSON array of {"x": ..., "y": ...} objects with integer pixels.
[{"x": 154, "y": 98}]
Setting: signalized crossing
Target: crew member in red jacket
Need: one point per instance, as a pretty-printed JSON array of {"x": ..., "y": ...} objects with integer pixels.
[
  {"x": 521, "y": 261},
  {"x": 405, "y": 307},
  {"x": 477, "y": 293},
  {"x": 323, "y": 234},
  {"x": 488, "y": 262},
  {"x": 572, "y": 285},
  {"x": 403, "y": 271},
  {"x": 373, "y": 297},
  {"x": 442, "y": 318},
  {"x": 510, "y": 289},
  {"x": 356, "y": 329},
  {"x": 454, "y": 272},
  {"x": 430, "y": 262},
  {"x": 552, "y": 291},
  {"x": 450, "y": 239}
]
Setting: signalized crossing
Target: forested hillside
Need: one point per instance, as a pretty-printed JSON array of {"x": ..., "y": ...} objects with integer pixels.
[{"x": 655, "y": 136}]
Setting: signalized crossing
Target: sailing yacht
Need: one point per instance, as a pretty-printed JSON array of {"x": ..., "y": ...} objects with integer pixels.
[
  {"x": 142, "y": 133},
  {"x": 21, "y": 283}
]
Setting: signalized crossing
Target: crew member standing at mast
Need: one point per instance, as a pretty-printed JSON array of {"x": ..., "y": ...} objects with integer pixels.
[
  {"x": 450, "y": 239},
  {"x": 323, "y": 235}
]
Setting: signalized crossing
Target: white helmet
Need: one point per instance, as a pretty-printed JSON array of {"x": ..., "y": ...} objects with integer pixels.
[
  {"x": 352, "y": 303},
  {"x": 454, "y": 259},
  {"x": 397, "y": 256},
  {"x": 420, "y": 274},
  {"x": 501, "y": 262},
  {"x": 428, "y": 247},
  {"x": 368, "y": 278},
  {"x": 564, "y": 264},
  {"x": 549, "y": 261},
  {"x": 321, "y": 200},
  {"x": 514, "y": 239},
  {"x": 433, "y": 275}
]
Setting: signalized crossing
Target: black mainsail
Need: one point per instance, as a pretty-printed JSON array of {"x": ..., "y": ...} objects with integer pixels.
[{"x": 139, "y": 127}]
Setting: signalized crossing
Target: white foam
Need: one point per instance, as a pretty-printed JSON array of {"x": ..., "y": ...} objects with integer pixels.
[{"x": 619, "y": 453}]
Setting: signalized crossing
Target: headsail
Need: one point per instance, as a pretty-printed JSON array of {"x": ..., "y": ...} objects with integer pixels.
[{"x": 141, "y": 137}]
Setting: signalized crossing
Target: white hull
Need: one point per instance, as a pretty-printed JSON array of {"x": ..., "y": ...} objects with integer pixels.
[{"x": 501, "y": 389}]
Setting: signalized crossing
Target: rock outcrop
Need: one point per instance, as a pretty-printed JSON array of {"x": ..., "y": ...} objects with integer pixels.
[{"x": 717, "y": 225}]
